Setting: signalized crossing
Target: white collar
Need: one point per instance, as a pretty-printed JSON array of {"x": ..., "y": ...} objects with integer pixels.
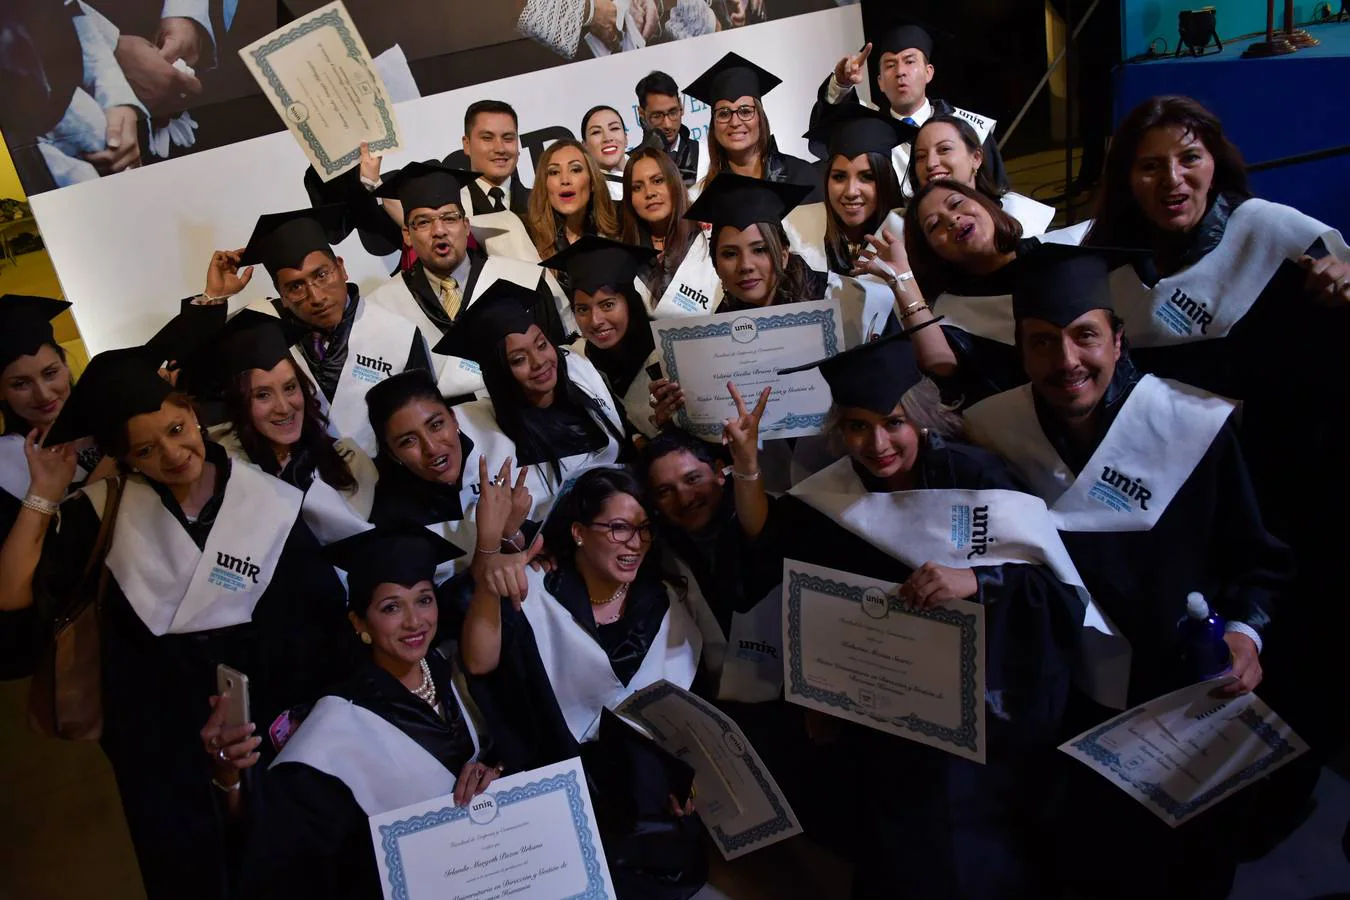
[
  {"x": 923, "y": 114},
  {"x": 487, "y": 187}
]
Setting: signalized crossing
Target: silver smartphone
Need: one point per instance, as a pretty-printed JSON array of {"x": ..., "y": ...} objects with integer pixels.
[{"x": 232, "y": 686}]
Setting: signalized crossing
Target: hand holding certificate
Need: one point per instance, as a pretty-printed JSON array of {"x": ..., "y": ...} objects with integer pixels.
[
  {"x": 533, "y": 835},
  {"x": 748, "y": 348},
  {"x": 853, "y": 651},
  {"x": 324, "y": 85},
  {"x": 738, "y": 800},
  {"x": 1185, "y": 751}
]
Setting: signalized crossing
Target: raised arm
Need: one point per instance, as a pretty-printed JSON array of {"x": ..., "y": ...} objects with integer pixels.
[
  {"x": 886, "y": 258},
  {"x": 741, "y": 435}
]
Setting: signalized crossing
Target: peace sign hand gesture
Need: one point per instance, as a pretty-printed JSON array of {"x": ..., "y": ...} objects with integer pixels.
[
  {"x": 741, "y": 434},
  {"x": 851, "y": 71}
]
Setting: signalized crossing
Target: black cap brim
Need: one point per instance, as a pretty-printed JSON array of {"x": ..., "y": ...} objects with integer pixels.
[
  {"x": 425, "y": 185},
  {"x": 1058, "y": 283},
  {"x": 116, "y": 386},
  {"x": 741, "y": 201},
  {"x": 872, "y": 375},
  {"x": 851, "y": 129},
  {"x": 283, "y": 240},
  {"x": 504, "y": 308},
  {"x": 403, "y": 553},
  {"x": 731, "y": 78},
  {"x": 593, "y": 262},
  {"x": 26, "y": 324}
]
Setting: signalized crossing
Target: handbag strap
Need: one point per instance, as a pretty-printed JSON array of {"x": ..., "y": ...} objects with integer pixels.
[{"x": 111, "y": 503}]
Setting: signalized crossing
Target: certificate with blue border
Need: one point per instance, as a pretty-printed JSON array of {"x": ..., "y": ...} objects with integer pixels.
[
  {"x": 853, "y": 650},
  {"x": 318, "y": 75},
  {"x": 748, "y": 348},
  {"x": 530, "y": 836},
  {"x": 737, "y": 798},
  {"x": 1184, "y": 752}
]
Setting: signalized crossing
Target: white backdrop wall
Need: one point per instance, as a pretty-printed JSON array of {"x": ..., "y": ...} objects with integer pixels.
[{"x": 126, "y": 248}]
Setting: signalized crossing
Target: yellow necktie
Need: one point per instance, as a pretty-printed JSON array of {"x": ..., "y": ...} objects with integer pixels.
[{"x": 451, "y": 298}]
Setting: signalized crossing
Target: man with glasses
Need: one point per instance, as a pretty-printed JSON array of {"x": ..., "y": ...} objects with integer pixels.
[
  {"x": 661, "y": 110},
  {"x": 447, "y": 275},
  {"x": 343, "y": 344}
]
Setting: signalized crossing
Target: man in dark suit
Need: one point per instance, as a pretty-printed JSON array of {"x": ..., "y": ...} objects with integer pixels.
[
  {"x": 662, "y": 108},
  {"x": 448, "y": 275},
  {"x": 905, "y": 69}
]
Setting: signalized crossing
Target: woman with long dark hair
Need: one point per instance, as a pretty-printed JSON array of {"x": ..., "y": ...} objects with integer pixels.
[
  {"x": 566, "y": 200},
  {"x": 948, "y": 147},
  {"x": 276, "y": 423},
  {"x": 739, "y": 138},
  {"x": 552, "y": 405},
  {"x": 210, "y": 562},
  {"x": 654, "y": 203},
  {"x": 616, "y": 334},
  {"x": 861, "y": 187},
  {"x": 1247, "y": 299},
  {"x": 586, "y": 635}
]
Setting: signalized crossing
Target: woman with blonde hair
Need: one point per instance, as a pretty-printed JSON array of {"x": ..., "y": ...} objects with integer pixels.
[
  {"x": 563, "y": 205},
  {"x": 739, "y": 138}
]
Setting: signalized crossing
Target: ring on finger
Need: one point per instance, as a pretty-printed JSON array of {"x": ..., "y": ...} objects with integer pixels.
[{"x": 220, "y": 754}]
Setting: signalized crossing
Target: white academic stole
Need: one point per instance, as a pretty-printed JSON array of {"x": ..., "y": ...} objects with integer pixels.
[
  {"x": 503, "y": 234},
  {"x": 1072, "y": 235},
  {"x": 1204, "y": 301},
  {"x": 1159, "y": 436},
  {"x": 176, "y": 588},
  {"x": 377, "y": 348},
  {"x": 456, "y": 377},
  {"x": 695, "y": 289},
  {"x": 865, "y": 303},
  {"x": 747, "y": 663},
  {"x": 14, "y": 475},
  {"x": 989, "y": 317},
  {"x": 805, "y": 227},
  {"x": 962, "y": 529},
  {"x": 637, "y": 403},
  {"x": 332, "y": 514},
  {"x": 579, "y": 670},
  {"x": 382, "y": 767},
  {"x": 1033, "y": 215}
]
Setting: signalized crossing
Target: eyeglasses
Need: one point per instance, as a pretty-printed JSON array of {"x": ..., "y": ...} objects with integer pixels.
[
  {"x": 621, "y": 532},
  {"x": 656, "y": 118},
  {"x": 448, "y": 219},
  {"x": 299, "y": 289},
  {"x": 745, "y": 113}
]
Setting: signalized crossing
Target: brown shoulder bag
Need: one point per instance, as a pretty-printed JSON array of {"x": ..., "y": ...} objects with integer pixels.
[{"x": 65, "y": 699}]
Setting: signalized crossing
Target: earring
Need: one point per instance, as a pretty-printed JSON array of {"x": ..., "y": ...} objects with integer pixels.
[
  {"x": 365, "y": 637},
  {"x": 578, "y": 542}
]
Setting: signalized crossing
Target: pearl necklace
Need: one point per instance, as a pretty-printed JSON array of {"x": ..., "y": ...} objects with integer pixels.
[
  {"x": 617, "y": 596},
  {"x": 426, "y": 691}
]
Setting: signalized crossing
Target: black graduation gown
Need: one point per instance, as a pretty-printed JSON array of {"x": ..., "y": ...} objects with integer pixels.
[
  {"x": 308, "y": 836},
  {"x": 933, "y": 825},
  {"x": 155, "y": 689},
  {"x": 328, "y": 370},
  {"x": 651, "y": 853},
  {"x": 993, "y": 159},
  {"x": 19, "y": 643},
  {"x": 1286, "y": 361},
  {"x": 783, "y": 167}
]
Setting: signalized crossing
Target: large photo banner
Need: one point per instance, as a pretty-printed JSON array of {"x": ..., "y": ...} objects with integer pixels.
[{"x": 129, "y": 245}]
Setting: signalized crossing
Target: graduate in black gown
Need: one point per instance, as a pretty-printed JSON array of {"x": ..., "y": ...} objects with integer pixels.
[
  {"x": 932, "y": 824},
  {"x": 580, "y": 640},
  {"x": 1146, "y": 480},
  {"x": 1248, "y": 299},
  {"x": 35, "y": 382},
  {"x": 210, "y": 563},
  {"x": 740, "y": 139},
  {"x": 396, "y": 732},
  {"x": 552, "y": 404},
  {"x": 273, "y": 420}
]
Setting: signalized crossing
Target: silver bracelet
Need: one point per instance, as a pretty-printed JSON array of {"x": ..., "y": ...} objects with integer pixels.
[
  {"x": 487, "y": 552},
  {"x": 226, "y": 788},
  {"x": 755, "y": 476},
  {"x": 40, "y": 505}
]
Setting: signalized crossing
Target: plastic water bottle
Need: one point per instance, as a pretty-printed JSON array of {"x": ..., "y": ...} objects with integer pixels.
[{"x": 1203, "y": 650}]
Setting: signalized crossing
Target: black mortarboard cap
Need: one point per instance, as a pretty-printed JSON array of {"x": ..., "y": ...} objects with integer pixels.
[
  {"x": 852, "y": 129},
  {"x": 115, "y": 386},
  {"x": 740, "y": 201},
  {"x": 731, "y": 78},
  {"x": 872, "y": 376},
  {"x": 26, "y": 324},
  {"x": 283, "y": 240},
  {"x": 425, "y": 185},
  {"x": 401, "y": 553},
  {"x": 593, "y": 262},
  {"x": 1060, "y": 282},
  {"x": 251, "y": 340},
  {"x": 902, "y": 33},
  {"x": 504, "y": 308}
]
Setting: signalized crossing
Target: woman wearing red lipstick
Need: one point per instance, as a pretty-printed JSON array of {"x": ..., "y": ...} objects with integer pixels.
[
  {"x": 1247, "y": 299},
  {"x": 566, "y": 201},
  {"x": 396, "y": 732}
]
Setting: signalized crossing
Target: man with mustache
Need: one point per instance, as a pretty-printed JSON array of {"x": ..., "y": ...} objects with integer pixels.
[
  {"x": 342, "y": 342},
  {"x": 906, "y": 68},
  {"x": 1146, "y": 482},
  {"x": 448, "y": 274}
]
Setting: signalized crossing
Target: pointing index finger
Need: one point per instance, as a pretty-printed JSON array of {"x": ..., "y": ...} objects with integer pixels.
[{"x": 866, "y": 52}]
